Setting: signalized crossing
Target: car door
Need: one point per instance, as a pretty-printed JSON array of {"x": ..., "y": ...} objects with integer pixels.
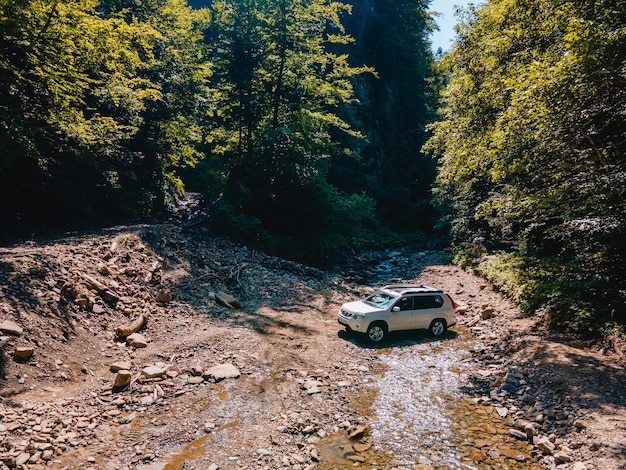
[
  {"x": 427, "y": 308},
  {"x": 402, "y": 314}
]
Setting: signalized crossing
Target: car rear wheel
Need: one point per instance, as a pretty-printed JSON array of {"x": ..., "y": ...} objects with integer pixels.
[
  {"x": 438, "y": 327},
  {"x": 376, "y": 332}
]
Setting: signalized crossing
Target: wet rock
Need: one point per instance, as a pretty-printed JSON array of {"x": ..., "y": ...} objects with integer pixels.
[
  {"x": 356, "y": 458},
  {"x": 358, "y": 447},
  {"x": 357, "y": 431}
]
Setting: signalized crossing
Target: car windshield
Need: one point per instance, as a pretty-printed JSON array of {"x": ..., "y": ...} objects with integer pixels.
[{"x": 380, "y": 299}]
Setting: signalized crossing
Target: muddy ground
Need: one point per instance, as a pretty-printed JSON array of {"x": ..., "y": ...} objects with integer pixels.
[{"x": 294, "y": 391}]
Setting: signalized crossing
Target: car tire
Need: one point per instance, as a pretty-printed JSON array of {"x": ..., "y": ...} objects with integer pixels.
[
  {"x": 438, "y": 327},
  {"x": 377, "y": 331}
]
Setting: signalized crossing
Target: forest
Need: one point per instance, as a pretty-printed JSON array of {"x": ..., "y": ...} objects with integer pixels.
[{"x": 314, "y": 128}]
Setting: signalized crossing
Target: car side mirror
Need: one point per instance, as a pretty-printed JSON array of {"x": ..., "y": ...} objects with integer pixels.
[{"x": 395, "y": 309}]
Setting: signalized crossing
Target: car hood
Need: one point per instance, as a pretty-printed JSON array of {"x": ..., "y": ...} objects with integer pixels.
[{"x": 359, "y": 307}]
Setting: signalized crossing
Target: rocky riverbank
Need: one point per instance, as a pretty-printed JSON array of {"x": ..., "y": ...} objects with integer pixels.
[{"x": 233, "y": 359}]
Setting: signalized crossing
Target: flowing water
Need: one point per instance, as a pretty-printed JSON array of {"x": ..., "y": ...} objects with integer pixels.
[
  {"x": 412, "y": 418},
  {"x": 420, "y": 413}
]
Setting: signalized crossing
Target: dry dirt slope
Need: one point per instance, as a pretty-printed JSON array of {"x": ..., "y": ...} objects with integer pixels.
[{"x": 292, "y": 381}]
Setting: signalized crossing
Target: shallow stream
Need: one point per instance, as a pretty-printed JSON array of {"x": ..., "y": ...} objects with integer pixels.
[
  {"x": 420, "y": 417},
  {"x": 420, "y": 414}
]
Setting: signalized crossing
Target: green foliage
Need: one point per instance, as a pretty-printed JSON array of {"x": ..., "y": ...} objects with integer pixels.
[
  {"x": 105, "y": 105},
  {"x": 531, "y": 142},
  {"x": 397, "y": 104},
  {"x": 81, "y": 85}
]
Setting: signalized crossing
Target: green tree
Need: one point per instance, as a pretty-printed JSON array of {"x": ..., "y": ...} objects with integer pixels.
[
  {"x": 531, "y": 143},
  {"x": 278, "y": 87},
  {"x": 77, "y": 79}
]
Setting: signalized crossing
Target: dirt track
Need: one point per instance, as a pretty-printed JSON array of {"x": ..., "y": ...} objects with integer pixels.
[{"x": 302, "y": 387}]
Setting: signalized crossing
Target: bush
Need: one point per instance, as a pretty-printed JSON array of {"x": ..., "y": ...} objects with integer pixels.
[{"x": 576, "y": 302}]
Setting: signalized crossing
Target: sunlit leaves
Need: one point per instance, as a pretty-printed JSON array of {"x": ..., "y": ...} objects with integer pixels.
[{"x": 532, "y": 132}]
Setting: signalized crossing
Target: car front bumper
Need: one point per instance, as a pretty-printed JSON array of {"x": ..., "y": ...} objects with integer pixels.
[{"x": 351, "y": 323}]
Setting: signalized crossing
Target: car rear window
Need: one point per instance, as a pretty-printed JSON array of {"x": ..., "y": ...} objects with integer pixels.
[{"x": 427, "y": 301}]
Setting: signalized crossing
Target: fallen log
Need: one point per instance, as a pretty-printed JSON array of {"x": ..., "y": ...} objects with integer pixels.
[
  {"x": 130, "y": 328},
  {"x": 107, "y": 294}
]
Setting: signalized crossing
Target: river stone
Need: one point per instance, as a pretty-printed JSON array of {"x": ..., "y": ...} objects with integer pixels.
[
  {"x": 136, "y": 340},
  {"x": 98, "y": 309},
  {"x": 357, "y": 432},
  {"x": 22, "y": 458},
  {"x": 11, "y": 328},
  {"x": 164, "y": 296},
  {"x": 152, "y": 372},
  {"x": 562, "y": 457},
  {"x": 546, "y": 446},
  {"x": 512, "y": 454},
  {"x": 530, "y": 431},
  {"x": 24, "y": 352},
  {"x": 502, "y": 411},
  {"x": 358, "y": 447},
  {"x": 517, "y": 434},
  {"x": 356, "y": 458},
  {"x": 227, "y": 300},
  {"x": 122, "y": 379},
  {"x": 487, "y": 313},
  {"x": 222, "y": 371},
  {"x": 312, "y": 386},
  {"x": 121, "y": 365}
]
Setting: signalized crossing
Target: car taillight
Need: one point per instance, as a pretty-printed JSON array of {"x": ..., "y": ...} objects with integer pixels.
[{"x": 454, "y": 305}]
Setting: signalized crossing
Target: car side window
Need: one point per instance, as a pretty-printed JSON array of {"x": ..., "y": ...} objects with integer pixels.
[
  {"x": 405, "y": 303},
  {"x": 428, "y": 301}
]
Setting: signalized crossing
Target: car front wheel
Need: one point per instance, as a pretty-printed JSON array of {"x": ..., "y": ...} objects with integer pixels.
[
  {"x": 438, "y": 327},
  {"x": 377, "y": 331}
]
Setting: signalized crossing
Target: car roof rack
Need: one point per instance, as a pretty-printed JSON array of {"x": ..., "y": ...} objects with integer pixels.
[{"x": 407, "y": 288}]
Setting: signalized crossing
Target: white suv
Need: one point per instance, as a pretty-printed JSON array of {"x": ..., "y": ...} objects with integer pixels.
[{"x": 400, "y": 307}]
